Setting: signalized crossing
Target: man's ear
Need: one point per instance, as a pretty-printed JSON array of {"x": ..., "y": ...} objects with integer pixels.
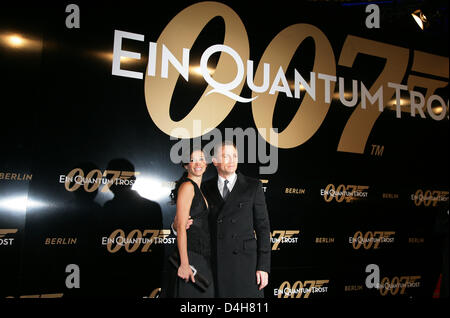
[{"x": 214, "y": 161}]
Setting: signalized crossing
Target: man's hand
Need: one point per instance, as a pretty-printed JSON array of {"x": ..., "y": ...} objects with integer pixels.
[
  {"x": 262, "y": 279},
  {"x": 188, "y": 225}
]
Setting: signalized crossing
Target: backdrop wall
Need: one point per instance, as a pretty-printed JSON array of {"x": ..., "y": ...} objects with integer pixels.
[{"x": 356, "y": 186}]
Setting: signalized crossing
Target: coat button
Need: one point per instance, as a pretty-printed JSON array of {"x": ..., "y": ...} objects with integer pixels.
[
  {"x": 220, "y": 236},
  {"x": 234, "y": 236},
  {"x": 219, "y": 221},
  {"x": 233, "y": 220},
  {"x": 235, "y": 252}
]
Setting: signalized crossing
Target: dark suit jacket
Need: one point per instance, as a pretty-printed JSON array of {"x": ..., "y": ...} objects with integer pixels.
[{"x": 240, "y": 236}]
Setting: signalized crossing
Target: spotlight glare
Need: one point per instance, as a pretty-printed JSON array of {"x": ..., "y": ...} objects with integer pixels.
[
  {"x": 437, "y": 110},
  {"x": 420, "y": 18},
  {"x": 16, "y": 40}
]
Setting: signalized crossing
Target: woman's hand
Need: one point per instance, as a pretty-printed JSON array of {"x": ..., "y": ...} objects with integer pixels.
[{"x": 185, "y": 272}]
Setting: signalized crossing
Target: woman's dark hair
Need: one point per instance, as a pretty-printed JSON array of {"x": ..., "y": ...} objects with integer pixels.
[{"x": 174, "y": 192}]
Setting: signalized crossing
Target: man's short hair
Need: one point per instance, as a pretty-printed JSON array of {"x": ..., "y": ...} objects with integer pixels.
[{"x": 221, "y": 145}]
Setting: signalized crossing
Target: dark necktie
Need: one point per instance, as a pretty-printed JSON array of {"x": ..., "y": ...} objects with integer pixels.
[{"x": 226, "y": 191}]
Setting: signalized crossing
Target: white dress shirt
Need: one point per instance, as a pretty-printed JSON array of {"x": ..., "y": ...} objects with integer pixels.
[{"x": 231, "y": 182}]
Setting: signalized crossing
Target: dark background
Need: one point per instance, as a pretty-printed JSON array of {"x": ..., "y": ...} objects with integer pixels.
[{"x": 62, "y": 109}]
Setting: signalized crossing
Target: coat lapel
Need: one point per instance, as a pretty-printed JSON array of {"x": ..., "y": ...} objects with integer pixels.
[
  {"x": 238, "y": 188},
  {"x": 213, "y": 196},
  {"x": 214, "y": 191}
]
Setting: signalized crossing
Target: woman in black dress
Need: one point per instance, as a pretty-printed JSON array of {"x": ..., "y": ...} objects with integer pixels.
[{"x": 194, "y": 248}]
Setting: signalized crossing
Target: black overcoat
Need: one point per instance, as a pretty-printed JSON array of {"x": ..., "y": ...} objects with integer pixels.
[{"x": 240, "y": 236}]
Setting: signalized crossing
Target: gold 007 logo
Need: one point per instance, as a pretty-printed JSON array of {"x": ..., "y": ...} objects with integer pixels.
[
  {"x": 343, "y": 192},
  {"x": 160, "y": 85},
  {"x": 92, "y": 181},
  {"x": 398, "y": 285},
  {"x": 371, "y": 239},
  {"x": 301, "y": 289},
  {"x": 135, "y": 239},
  {"x": 429, "y": 197}
]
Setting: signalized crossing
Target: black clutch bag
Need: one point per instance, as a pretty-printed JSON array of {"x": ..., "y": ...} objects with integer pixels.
[{"x": 200, "y": 281}]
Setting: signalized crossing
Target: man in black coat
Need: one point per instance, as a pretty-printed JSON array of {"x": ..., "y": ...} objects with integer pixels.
[{"x": 240, "y": 229}]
